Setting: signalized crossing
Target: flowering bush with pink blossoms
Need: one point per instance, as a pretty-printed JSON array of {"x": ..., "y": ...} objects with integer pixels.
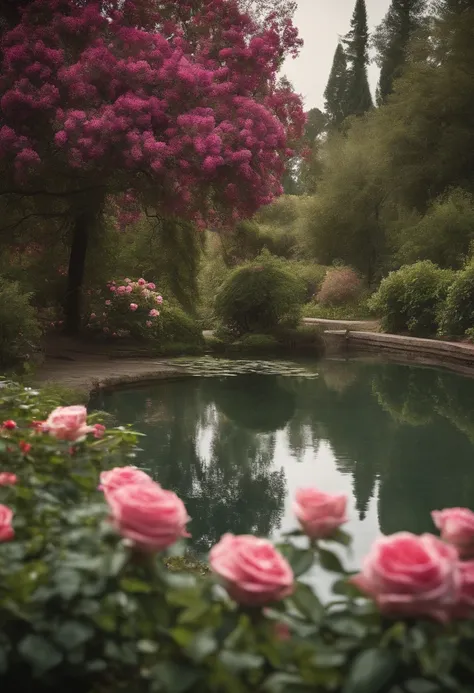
[
  {"x": 126, "y": 308},
  {"x": 88, "y": 604}
]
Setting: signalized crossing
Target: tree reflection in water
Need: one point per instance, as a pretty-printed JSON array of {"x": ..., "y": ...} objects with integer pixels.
[{"x": 408, "y": 431}]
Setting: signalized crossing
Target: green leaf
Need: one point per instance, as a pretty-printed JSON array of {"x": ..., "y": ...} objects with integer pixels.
[
  {"x": 68, "y": 583},
  {"x": 328, "y": 659},
  {"x": 282, "y": 683},
  {"x": 71, "y": 634},
  {"x": 175, "y": 678},
  {"x": 135, "y": 586},
  {"x": 329, "y": 561},
  {"x": 346, "y": 588},
  {"x": 194, "y": 613},
  {"x": 348, "y": 627},
  {"x": 300, "y": 560},
  {"x": 308, "y": 603},
  {"x": 119, "y": 560},
  {"x": 371, "y": 671},
  {"x": 40, "y": 653},
  {"x": 201, "y": 646},
  {"x": 147, "y": 646},
  {"x": 240, "y": 661},
  {"x": 341, "y": 537},
  {"x": 96, "y": 665}
]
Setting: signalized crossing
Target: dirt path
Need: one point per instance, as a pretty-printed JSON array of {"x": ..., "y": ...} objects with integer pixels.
[{"x": 84, "y": 366}]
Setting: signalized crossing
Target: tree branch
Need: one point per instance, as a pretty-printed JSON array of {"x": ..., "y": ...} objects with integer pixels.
[{"x": 41, "y": 215}]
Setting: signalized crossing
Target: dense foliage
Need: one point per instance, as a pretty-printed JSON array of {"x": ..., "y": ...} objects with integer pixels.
[
  {"x": 87, "y": 602},
  {"x": 457, "y": 314},
  {"x": 20, "y": 329},
  {"x": 259, "y": 297},
  {"x": 410, "y": 299}
]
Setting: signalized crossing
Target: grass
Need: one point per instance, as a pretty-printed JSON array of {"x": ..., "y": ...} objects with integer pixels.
[{"x": 353, "y": 311}]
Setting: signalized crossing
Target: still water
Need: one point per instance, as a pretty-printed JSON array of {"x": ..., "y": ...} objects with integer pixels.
[{"x": 399, "y": 440}]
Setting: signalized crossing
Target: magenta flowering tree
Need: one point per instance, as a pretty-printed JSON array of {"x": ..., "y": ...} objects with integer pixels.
[{"x": 175, "y": 105}]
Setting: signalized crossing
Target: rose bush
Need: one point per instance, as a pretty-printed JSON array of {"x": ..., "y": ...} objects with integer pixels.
[
  {"x": 126, "y": 308},
  {"x": 88, "y": 604}
]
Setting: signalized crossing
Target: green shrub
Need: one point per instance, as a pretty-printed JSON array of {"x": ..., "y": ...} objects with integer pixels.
[
  {"x": 305, "y": 339},
  {"x": 310, "y": 273},
  {"x": 175, "y": 326},
  {"x": 20, "y": 331},
  {"x": 443, "y": 235},
  {"x": 409, "y": 299},
  {"x": 257, "y": 343},
  {"x": 457, "y": 312},
  {"x": 259, "y": 296}
]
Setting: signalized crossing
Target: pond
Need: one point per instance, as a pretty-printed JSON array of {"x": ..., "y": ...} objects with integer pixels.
[{"x": 399, "y": 440}]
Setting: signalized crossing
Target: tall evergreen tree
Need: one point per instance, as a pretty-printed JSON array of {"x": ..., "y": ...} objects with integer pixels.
[
  {"x": 391, "y": 41},
  {"x": 359, "y": 98},
  {"x": 335, "y": 94}
]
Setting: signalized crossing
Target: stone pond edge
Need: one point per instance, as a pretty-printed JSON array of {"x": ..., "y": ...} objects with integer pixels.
[{"x": 416, "y": 350}]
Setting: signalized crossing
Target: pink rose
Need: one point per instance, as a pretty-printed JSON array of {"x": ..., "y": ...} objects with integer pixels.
[
  {"x": 133, "y": 307},
  {"x": 127, "y": 280},
  {"x": 121, "y": 476},
  {"x": 409, "y": 575},
  {"x": 8, "y": 479},
  {"x": 93, "y": 316},
  {"x": 154, "y": 313},
  {"x": 457, "y": 528},
  {"x": 128, "y": 289},
  {"x": 464, "y": 607},
  {"x": 148, "y": 515},
  {"x": 159, "y": 299},
  {"x": 9, "y": 425},
  {"x": 141, "y": 282},
  {"x": 113, "y": 288},
  {"x": 151, "y": 286},
  {"x": 99, "y": 430},
  {"x": 149, "y": 323},
  {"x": 320, "y": 514},
  {"x": 68, "y": 423},
  {"x": 253, "y": 571},
  {"x": 6, "y": 529},
  {"x": 121, "y": 290},
  {"x": 108, "y": 302}
]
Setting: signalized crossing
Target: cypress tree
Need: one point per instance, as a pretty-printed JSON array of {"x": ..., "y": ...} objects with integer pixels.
[
  {"x": 359, "y": 98},
  {"x": 335, "y": 94},
  {"x": 391, "y": 40}
]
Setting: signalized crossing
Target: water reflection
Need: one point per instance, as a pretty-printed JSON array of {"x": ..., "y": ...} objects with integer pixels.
[{"x": 399, "y": 439}]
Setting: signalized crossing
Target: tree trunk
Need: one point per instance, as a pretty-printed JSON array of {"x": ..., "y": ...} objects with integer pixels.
[{"x": 77, "y": 263}]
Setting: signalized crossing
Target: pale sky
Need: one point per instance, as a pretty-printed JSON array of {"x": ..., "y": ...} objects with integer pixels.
[{"x": 320, "y": 22}]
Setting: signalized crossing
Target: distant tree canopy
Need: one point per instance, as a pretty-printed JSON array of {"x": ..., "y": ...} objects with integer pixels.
[
  {"x": 396, "y": 185},
  {"x": 392, "y": 39}
]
